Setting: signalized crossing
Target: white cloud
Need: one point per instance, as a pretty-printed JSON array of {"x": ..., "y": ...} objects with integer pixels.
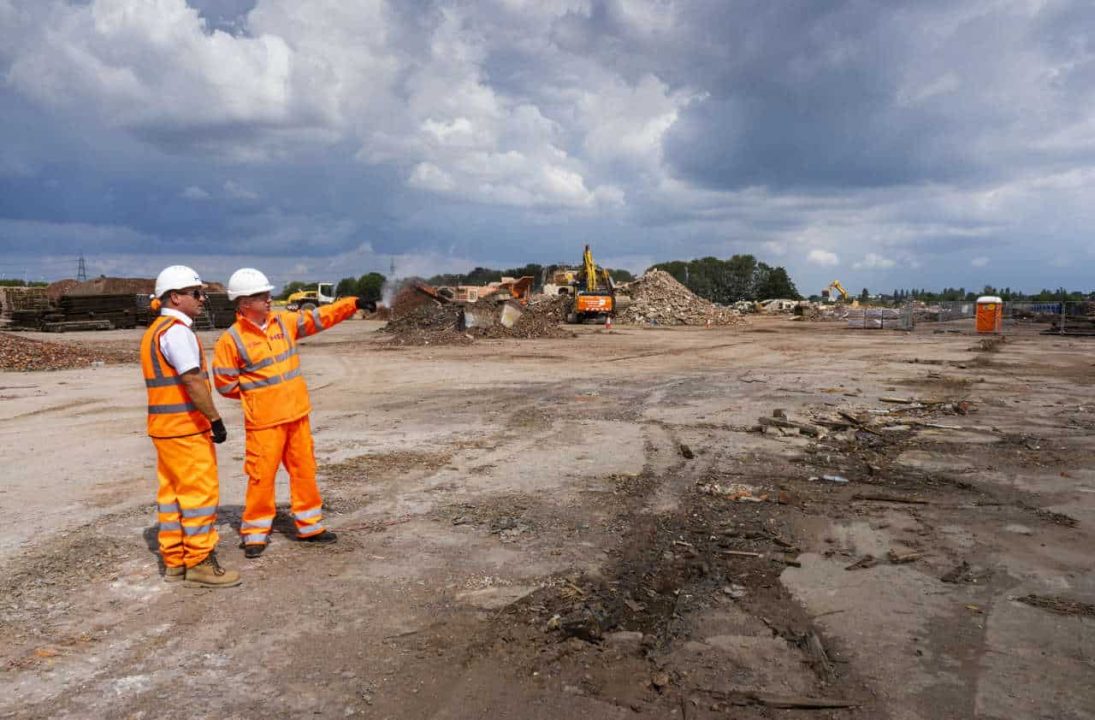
[
  {"x": 193, "y": 192},
  {"x": 238, "y": 192},
  {"x": 823, "y": 258},
  {"x": 416, "y": 95},
  {"x": 874, "y": 261},
  {"x": 979, "y": 262}
]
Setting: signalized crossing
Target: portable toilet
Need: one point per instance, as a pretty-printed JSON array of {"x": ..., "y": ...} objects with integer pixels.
[{"x": 990, "y": 314}]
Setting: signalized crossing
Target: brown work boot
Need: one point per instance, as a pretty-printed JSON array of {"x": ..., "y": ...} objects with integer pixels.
[
  {"x": 208, "y": 573},
  {"x": 174, "y": 573}
]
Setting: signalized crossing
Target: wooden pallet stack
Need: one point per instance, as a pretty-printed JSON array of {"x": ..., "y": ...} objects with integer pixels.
[
  {"x": 221, "y": 312},
  {"x": 90, "y": 312},
  {"x": 21, "y": 307}
]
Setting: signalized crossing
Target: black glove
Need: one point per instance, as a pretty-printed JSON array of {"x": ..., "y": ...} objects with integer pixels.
[
  {"x": 220, "y": 434},
  {"x": 366, "y": 305}
]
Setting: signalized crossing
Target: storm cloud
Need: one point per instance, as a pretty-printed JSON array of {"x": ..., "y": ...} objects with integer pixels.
[{"x": 891, "y": 145}]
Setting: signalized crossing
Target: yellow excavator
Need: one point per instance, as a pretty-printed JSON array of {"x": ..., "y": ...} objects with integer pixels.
[
  {"x": 594, "y": 293},
  {"x": 827, "y": 294}
]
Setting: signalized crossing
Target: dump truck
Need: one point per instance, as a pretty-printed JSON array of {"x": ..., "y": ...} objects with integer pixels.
[
  {"x": 594, "y": 293},
  {"x": 309, "y": 299}
]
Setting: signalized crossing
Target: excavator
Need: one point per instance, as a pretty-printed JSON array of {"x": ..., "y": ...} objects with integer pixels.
[
  {"x": 594, "y": 292},
  {"x": 827, "y": 294}
]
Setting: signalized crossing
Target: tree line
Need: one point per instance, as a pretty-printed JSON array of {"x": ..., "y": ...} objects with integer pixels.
[
  {"x": 1006, "y": 294},
  {"x": 369, "y": 286},
  {"x": 740, "y": 277},
  {"x": 541, "y": 273}
]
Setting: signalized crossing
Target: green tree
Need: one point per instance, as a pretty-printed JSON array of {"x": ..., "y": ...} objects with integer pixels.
[
  {"x": 371, "y": 286},
  {"x": 291, "y": 287},
  {"x": 346, "y": 287},
  {"x": 620, "y": 276},
  {"x": 865, "y": 295},
  {"x": 775, "y": 283}
]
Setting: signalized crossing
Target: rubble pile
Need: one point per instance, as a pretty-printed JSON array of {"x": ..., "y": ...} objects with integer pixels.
[
  {"x": 124, "y": 286},
  {"x": 432, "y": 323},
  {"x": 23, "y": 354},
  {"x": 407, "y": 299},
  {"x": 540, "y": 319},
  {"x": 658, "y": 299},
  {"x": 60, "y": 288}
]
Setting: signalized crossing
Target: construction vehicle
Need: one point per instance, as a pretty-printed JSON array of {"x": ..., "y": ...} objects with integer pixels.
[
  {"x": 561, "y": 282},
  {"x": 829, "y": 295},
  {"x": 310, "y": 299},
  {"x": 594, "y": 292}
]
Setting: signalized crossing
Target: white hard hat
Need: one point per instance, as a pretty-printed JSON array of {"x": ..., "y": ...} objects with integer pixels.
[
  {"x": 176, "y": 277},
  {"x": 247, "y": 281}
]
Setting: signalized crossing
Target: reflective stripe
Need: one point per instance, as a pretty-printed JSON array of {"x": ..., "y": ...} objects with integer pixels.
[
  {"x": 234, "y": 334},
  {"x": 198, "y": 530},
  {"x": 249, "y": 524},
  {"x": 308, "y": 514},
  {"x": 317, "y": 320},
  {"x": 300, "y": 324},
  {"x": 164, "y": 381},
  {"x": 295, "y": 372},
  {"x": 230, "y": 372},
  {"x": 228, "y": 388},
  {"x": 259, "y": 365},
  {"x": 168, "y": 409},
  {"x": 170, "y": 526},
  {"x": 287, "y": 354},
  {"x": 260, "y": 383},
  {"x": 172, "y": 508},
  {"x": 307, "y": 531},
  {"x": 255, "y": 539},
  {"x": 153, "y": 347},
  {"x": 199, "y": 512}
]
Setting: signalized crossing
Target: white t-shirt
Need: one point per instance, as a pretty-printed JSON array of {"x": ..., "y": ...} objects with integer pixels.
[{"x": 180, "y": 344}]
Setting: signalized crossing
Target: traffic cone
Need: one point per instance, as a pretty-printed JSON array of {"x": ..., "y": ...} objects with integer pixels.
[{"x": 608, "y": 323}]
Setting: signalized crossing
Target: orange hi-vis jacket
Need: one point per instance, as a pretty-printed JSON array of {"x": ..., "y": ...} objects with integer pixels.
[
  {"x": 261, "y": 366},
  {"x": 171, "y": 412}
]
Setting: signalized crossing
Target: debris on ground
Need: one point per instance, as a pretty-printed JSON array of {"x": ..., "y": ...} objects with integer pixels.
[
  {"x": 863, "y": 563},
  {"x": 901, "y": 557},
  {"x": 434, "y": 323},
  {"x": 739, "y": 492},
  {"x": 658, "y": 299},
  {"x": 963, "y": 573},
  {"x": 1061, "y": 606},
  {"x": 24, "y": 355}
]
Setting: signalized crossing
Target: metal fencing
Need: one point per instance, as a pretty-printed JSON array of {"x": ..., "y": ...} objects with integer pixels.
[{"x": 1057, "y": 317}]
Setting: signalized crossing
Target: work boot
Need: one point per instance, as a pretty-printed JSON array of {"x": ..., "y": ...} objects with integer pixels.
[
  {"x": 209, "y": 573},
  {"x": 174, "y": 574},
  {"x": 253, "y": 551},
  {"x": 324, "y": 538}
]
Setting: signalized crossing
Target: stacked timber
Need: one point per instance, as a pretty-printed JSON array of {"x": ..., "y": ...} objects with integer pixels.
[
  {"x": 23, "y": 308},
  {"x": 221, "y": 312},
  {"x": 120, "y": 311}
]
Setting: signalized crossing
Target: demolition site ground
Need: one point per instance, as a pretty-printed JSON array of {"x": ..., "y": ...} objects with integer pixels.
[{"x": 762, "y": 521}]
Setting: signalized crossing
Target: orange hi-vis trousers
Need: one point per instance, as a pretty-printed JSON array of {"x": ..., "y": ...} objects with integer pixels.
[
  {"x": 267, "y": 448},
  {"x": 187, "y": 498}
]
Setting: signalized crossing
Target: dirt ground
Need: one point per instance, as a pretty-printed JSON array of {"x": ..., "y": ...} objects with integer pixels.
[{"x": 584, "y": 527}]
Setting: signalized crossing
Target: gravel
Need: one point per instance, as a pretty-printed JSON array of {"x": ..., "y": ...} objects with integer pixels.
[{"x": 24, "y": 355}]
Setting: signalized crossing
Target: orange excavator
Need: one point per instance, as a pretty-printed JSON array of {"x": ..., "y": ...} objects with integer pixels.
[{"x": 594, "y": 292}]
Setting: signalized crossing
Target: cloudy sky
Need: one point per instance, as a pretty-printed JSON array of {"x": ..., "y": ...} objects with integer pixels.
[{"x": 896, "y": 144}]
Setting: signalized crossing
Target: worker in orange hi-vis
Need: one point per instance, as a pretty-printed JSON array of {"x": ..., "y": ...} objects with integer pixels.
[
  {"x": 183, "y": 424},
  {"x": 256, "y": 361}
]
